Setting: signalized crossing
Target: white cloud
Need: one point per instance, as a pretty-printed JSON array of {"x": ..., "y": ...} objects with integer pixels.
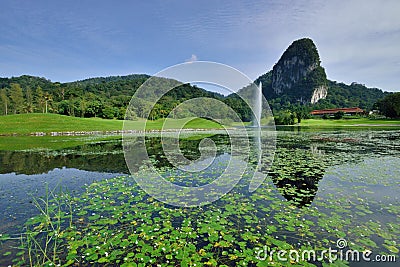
[
  {"x": 357, "y": 39},
  {"x": 193, "y": 58}
]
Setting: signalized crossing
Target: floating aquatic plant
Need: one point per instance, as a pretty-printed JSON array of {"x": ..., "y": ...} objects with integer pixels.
[{"x": 317, "y": 191}]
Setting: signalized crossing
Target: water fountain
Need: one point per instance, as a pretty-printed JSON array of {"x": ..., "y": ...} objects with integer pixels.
[
  {"x": 258, "y": 177},
  {"x": 257, "y": 106}
]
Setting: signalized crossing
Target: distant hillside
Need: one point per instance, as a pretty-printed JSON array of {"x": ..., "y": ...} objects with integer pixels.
[
  {"x": 98, "y": 80},
  {"x": 27, "y": 81},
  {"x": 353, "y": 95},
  {"x": 105, "y": 97}
]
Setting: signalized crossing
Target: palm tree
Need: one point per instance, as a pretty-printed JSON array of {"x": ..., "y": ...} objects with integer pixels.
[
  {"x": 28, "y": 108},
  {"x": 47, "y": 98}
]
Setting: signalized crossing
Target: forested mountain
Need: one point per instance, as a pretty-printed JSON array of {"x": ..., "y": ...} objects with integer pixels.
[
  {"x": 298, "y": 79},
  {"x": 88, "y": 98},
  {"x": 106, "y": 97},
  {"x": 98, "y": 80},
  {"x": 296, "y": 83}
]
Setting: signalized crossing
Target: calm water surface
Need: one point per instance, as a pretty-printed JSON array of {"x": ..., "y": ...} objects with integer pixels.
[{"x": 360, "y": 169}]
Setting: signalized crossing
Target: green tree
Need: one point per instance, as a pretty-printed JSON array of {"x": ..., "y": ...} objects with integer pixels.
[
  {"x": 40, "y": 101},
  {"x": 47, "y": 99},
  {"x": 63, "y": 107},
  {"x": 121, "y": 113},
  {"x": 4, "y": 100},
  {"x": 94, "y": 109},
  {"x": 139, "y": 106},
  {"x": 82, "y": 106},
  {"x": 300, "y": 112},
  {"x": 284, "y": 117},
  {"x": 338, "y": 115},
  {"x": 390, "y": 105},
  {"x": 17, "y": 98},
  {"x": 109, "y": 112},
  {"x": 28, "y": 107},
  {"x": 130, "y": 114}
]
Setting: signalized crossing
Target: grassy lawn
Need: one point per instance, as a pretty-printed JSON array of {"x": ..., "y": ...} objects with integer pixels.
[
  {"x": 24, "y": 124},
  {"x": 348, "y": 122},
  {"x": 30, "y": 123}
]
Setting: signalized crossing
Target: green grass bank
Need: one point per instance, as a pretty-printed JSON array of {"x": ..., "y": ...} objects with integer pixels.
[{"x": 23, "y": 124}]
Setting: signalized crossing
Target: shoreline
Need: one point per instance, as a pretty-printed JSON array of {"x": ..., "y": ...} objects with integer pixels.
[
  {"x": 106, "y": 132},
  {"x": 120, "y": 132}
]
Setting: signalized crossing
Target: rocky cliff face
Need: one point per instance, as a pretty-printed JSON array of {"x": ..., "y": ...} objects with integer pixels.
[
  {"x": 287, "y": 74},
  {"x": 319, "y": 93},
  {"x": 298, "y": 73}
]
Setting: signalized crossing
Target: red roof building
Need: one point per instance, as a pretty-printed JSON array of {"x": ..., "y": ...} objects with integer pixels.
[{"x": 332, "y": 111}]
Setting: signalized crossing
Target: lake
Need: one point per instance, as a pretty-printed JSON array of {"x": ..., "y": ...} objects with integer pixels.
[{"x": 323, "y": 186}]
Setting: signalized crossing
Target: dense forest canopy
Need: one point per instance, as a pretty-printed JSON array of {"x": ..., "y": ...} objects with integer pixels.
[
  {"x": 108, "y": 97},
  {"x": 390, "y": 105},
  {"x": 340, "y": 95},
  {"x": 105, "y": 97}
]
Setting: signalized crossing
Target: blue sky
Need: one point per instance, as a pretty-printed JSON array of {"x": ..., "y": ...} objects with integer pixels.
[{"x": 72, "y": 40}]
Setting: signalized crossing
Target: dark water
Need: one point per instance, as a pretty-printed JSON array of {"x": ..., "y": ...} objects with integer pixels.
[
  {"x": 25, "y": 175},
  {"x": 104, "y": 156}
]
